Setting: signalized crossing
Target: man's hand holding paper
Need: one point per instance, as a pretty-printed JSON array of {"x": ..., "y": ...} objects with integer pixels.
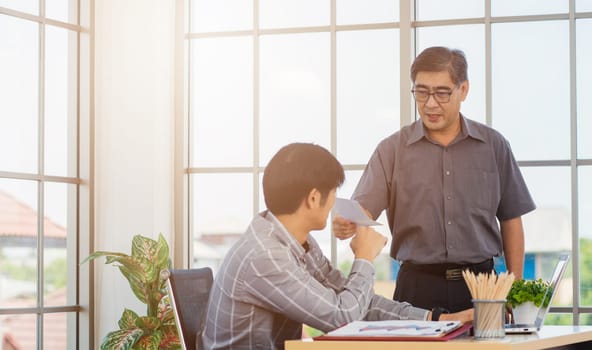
[{"x": 350, "y": 214}]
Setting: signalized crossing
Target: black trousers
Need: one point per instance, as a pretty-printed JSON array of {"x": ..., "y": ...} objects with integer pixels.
[{"x": 428, "y": 286}]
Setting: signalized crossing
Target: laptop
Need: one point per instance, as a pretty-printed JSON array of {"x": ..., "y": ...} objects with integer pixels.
[
  {"x": 176, "y": 315},
  {"x": 543, "y": 310}
]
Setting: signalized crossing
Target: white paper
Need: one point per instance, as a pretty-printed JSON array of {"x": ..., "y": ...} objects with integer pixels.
[
  {"x": 352, "y": 210},
  {"x": 398, "y": 328}
]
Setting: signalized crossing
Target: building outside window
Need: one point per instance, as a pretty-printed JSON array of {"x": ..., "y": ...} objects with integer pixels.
[{"x": 44, "y": 115}]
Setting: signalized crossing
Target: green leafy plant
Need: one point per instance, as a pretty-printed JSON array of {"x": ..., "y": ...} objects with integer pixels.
[
  {"x": 146, "y": 269},
  {"x": 523, "y": 291}
]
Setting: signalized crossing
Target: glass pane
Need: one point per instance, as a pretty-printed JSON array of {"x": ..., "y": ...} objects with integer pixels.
[
  {"x": 293, "y": 13},
  {"x": 221, "y": 15},
  {"x": 22, "y": 329},
  {"x": 56, "y": 333},
  {"x": 262, "y": 205},
  {"x": 523, "y": 99},
  {"x": 28, "y": 6},
  {"x": 560, "y": 319},
  {"x": 62, "y": 10},
  {"x": 584, "y": 86},
  {"x": 528, "y": 7},
  {"x": 295, "y": 91},
  {"x": 449, "y": 9},
  {"x": 18, "y": 243},
  {"x": 469, "y": 39},
  {"x": 59, "y": 235},
  {"x": 19, "y": 63},
  {"x": 222, "y": 102},
  {"x": 60, "y": 102},
  {"x": 585, "y": 234},
  {"x": 586, "y": 319},
  {"x": 583, "y": 6},
  {"x": 367, "y": 91},
  {"x": 215, "y": 225},
  {"x": 548, "y": 228},
  {"x": 369, "y": 11}
]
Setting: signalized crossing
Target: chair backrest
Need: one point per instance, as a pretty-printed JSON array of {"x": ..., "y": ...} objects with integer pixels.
[{"x": 189, "y": 290}]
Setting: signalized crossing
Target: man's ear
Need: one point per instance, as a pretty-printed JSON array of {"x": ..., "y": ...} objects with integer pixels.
[
  {"x": 464, "y": 90},
  {"x": 313, "y": 199}
]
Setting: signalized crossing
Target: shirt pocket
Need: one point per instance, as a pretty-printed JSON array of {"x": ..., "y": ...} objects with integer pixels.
[{"x": 480, "y": 188}]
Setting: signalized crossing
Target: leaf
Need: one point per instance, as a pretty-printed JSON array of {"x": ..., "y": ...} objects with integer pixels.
[
  {"x": 141, "y": 275},
  {"x": 128, "y": 319},
  {"x": 140, "y": 267},
  {"x": 148, "y": 323},
  {"x": 123, "y": 339},
  {"x": 149, "y": 342},
  {"x": 144, "y": 247},
  {"x": 170, "y": 339},
  {"x": 99, "y": 254},
  {"x": 147, "y": 250},
  {"x": 162, "y": 253},
  {"x": 165, "y": 311}
]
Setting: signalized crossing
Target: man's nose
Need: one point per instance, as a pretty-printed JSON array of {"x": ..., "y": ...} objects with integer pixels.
[{"x": 431, "y": 101}]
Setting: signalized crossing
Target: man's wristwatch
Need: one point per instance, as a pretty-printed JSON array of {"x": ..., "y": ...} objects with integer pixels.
[{"x": 437, "y": 311}]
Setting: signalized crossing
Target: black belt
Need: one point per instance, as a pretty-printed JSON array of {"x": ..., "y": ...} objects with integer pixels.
[{"x": 451, "y": 272}]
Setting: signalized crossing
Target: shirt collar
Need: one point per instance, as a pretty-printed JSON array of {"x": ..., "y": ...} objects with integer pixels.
[
  {"x": 467, "y": 129},
  {"x": 283, "y": 235}
]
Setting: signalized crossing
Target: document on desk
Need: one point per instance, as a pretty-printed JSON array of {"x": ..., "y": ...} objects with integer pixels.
[
  {"x": 352, "y": 210},
  {"x": 397, "y": 330}
]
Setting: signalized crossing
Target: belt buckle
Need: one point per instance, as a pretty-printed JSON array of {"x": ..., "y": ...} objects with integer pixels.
[{"x": 453, "y": 274}]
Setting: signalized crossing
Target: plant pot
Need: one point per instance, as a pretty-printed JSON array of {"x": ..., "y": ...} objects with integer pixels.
[{"x": 525, "y": 313}]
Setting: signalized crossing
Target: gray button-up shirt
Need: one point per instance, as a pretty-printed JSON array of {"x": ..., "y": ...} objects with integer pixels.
[
  {"x": 442, "y": 202},
  {"x": 269, "y": 285}
]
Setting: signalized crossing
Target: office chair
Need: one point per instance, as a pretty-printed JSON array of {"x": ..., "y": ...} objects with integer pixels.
[{"x": 189, "y": 290}]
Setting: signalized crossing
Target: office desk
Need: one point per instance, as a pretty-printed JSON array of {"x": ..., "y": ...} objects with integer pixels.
[{"x": 549, "y": 337}]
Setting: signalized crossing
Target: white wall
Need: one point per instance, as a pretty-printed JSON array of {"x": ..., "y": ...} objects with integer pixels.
[{"x": 133, "y": 139}]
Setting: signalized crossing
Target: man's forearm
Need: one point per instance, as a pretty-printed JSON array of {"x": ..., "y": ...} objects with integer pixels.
[{"x": 513, "y": 243}]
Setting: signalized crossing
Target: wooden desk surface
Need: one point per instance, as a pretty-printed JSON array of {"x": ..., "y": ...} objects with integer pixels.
[{"x": 547, "y": 337}]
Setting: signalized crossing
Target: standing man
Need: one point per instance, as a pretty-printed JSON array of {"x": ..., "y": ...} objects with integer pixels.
[
  {"x": 445, "y": 182},
  {"x": 275, "y": 278}
]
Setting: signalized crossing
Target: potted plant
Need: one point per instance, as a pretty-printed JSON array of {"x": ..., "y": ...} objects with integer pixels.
[
  {"x": 525, "y": 297},
  {"x": 146, "y": 269}
]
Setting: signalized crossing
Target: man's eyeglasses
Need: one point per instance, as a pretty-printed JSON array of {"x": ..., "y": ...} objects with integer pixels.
[{"x": 441, "y": 96}]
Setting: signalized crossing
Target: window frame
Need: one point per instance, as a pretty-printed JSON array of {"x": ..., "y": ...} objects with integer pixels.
[
  {"x": 80, "y": 333},
  {"x": 406, "y": 26}
]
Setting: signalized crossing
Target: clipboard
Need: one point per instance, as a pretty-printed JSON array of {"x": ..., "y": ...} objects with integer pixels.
[{"x": 444, "y": 336}]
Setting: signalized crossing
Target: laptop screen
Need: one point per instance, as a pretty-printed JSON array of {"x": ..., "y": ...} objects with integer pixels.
[
  {"x": 557, "y": 274},
  {"x": 174, "y": 305}
]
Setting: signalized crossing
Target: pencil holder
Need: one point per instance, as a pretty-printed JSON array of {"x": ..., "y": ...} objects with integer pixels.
[{"x": 489, "y": 318}]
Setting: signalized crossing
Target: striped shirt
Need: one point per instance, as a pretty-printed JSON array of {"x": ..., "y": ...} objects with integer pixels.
[{"x": 269, "y": 285}]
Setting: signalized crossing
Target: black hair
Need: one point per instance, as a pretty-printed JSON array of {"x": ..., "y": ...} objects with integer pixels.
[
  {"x": 438, "y": 59},
  {"x": 294, "y": 171}
]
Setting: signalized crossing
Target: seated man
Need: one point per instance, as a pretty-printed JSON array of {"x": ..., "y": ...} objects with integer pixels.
[{"x": 275, "y": 278}]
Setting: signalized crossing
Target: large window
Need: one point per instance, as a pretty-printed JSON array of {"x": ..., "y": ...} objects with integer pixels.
[
  {"x": 43, "y": 161},
  {"x": 336, "y": 73}
]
